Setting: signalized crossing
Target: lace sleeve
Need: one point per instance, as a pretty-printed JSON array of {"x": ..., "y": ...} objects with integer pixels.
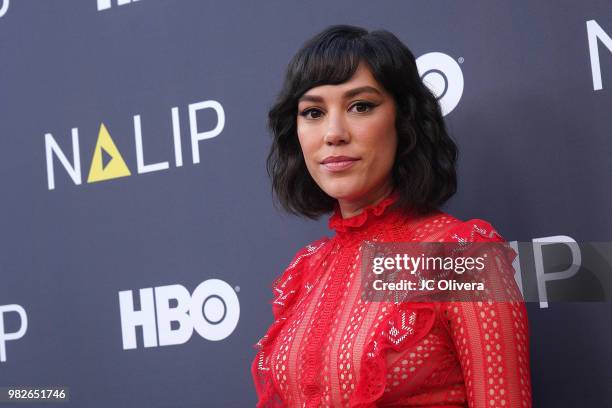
[{"x": 491, "y": 337}]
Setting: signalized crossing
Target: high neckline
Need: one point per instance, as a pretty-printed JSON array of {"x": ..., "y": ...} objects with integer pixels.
[{"x": 364, "y": 218}]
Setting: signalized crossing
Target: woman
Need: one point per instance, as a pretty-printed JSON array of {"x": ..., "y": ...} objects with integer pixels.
[{"x": 357, "y": 133}]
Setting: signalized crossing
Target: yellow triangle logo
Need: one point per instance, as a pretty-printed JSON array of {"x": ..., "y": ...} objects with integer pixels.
[{"x": 107, "y": 162}]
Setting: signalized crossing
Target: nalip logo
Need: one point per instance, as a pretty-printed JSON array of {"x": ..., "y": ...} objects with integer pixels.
[
  {"x": 108, "y": 163},
  {"x": 595, "y": 33},
  {"x": 106, "y": 4},
  {"x": 4, "y": 335}
]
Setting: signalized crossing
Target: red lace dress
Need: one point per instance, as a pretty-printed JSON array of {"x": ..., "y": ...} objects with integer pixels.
[{"x": 327, "y": 347}]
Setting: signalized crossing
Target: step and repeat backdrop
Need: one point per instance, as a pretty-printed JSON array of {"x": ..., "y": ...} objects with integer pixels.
[{"x": 138, "y": 238}]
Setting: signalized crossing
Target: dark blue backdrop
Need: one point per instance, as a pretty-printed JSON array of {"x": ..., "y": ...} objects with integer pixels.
[{"x": 532, "y": 124}]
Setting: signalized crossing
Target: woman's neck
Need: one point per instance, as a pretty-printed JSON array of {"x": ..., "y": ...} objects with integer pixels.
[{"x": 350, "y": 208}]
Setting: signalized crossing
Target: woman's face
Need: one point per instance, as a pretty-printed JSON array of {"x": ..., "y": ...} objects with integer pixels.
[{"x": 348, "y": 137}]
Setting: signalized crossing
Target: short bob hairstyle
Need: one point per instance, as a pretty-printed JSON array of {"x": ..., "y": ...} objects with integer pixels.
[{"x": 424, "y": 170}]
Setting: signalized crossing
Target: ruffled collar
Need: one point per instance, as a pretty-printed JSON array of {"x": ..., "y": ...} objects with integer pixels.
[{"x": 360, "y": 221}]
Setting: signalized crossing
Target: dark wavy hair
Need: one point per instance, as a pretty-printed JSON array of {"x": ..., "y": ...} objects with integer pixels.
[{"x": 424, "y": 170}]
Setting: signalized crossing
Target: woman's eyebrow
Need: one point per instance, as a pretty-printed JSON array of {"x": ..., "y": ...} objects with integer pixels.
[{"x": 348, "y": 94}]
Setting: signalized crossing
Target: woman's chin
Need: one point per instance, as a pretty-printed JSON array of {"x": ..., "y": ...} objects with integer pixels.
[{"x": 343, "y": 192}]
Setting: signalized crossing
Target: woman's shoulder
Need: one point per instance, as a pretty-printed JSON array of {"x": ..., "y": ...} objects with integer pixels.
[
  {"x": 444, "y": 227},
  {"x": 475, "y": 235},
  {"x": 308, "y": 251},
  {"x": 474, "y": 230},
  {"x": 289, "y": 283}
]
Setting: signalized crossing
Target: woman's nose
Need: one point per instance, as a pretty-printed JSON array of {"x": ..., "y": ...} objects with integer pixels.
[{"x": 336, "y": 132}]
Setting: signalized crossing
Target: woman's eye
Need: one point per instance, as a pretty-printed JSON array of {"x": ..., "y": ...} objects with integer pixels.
[
  {"x": 308, "y": 113},
  {"x": 362, "y": 107},
  {"x": 359, "y": 107}
]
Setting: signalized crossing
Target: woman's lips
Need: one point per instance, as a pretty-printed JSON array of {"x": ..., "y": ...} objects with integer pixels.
[{"x": 337, "y": 165}]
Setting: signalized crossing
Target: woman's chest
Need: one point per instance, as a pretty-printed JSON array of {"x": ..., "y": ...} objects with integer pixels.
[
  {"x": 317, "y": 354},
  {"x": 316, "y": 357}
]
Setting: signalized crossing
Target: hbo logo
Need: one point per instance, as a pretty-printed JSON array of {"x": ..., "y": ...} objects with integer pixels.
[
  {"x": 443, "y": 77},
  {"x": 212, "y": 310},
  {"x": 4, "y": 7}
]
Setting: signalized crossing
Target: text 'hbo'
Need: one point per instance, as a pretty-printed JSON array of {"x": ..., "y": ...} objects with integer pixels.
[{"x": 212, "y": 310}]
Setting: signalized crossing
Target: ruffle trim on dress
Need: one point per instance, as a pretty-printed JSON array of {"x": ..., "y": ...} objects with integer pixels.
[
  {"x": 407, "y": 324},
  {"x": 410, "y": 322},
  {"x": 286, "y": 289},
  {"x": 477, "y": 230},
  {"x": 339, "y": 224}
]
